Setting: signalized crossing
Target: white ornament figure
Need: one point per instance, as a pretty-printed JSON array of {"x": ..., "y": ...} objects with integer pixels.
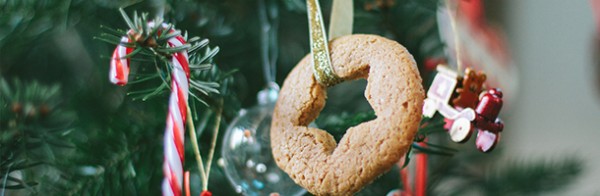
[{"x": 438, "y": 97}]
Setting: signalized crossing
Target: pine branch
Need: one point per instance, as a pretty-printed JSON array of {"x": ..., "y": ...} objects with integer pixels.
[
  {"x": 530, "y": 177},
  {"x": 34, "y": 127}
]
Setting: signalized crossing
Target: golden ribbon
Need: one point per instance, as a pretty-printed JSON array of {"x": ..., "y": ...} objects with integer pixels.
[{"x": 323, "y": 70}]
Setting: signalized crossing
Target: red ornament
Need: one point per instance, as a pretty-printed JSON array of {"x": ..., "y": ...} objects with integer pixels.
[
  {"x": 487, "y": 122},
  {"x": 206, "y": 193},
  {"x": 487, "y": 111}
]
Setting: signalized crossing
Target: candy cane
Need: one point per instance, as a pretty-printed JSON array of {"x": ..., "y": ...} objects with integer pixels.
[
  {"x": 175, "y": 128},
  {"x": 174, "y": 133},
  {"x": 119, "y": 66}
]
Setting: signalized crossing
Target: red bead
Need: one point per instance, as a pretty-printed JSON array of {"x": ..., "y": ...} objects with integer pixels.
[{"x": 206, "y": 193}]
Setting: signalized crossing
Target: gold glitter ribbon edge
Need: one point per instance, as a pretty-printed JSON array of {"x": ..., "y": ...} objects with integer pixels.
[{"x": 322, "y": 67}]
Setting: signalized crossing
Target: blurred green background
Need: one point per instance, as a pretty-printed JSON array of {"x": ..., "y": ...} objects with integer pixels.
[{"x": 85, "y": 136}]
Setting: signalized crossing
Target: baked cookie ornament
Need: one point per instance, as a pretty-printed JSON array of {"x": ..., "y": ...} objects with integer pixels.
[{"x": 311, "y": 156}]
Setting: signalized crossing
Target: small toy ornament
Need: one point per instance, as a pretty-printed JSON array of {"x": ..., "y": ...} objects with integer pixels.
[
  {"x": 461, "y": 117},
  {"x": 438, "y": 97}
]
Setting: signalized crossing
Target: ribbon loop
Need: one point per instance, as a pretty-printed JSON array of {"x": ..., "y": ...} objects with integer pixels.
[{"x": 323, "y": 71}]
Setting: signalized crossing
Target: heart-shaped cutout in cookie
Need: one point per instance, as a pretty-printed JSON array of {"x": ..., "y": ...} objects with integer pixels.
[{"x": 311, "y": 156}]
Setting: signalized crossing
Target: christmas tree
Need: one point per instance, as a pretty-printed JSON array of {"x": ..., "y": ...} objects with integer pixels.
[{"x": 66, "y": 130}]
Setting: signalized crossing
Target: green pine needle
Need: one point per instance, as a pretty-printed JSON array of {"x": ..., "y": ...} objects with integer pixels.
[{"x": 130, "y": 24}]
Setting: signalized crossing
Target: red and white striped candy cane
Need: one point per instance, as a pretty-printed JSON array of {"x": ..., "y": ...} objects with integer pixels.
[
  {"x": 174, "y": 133},
  {"x": 175, "y": 129},
  {"x": 119, "y": 66}
]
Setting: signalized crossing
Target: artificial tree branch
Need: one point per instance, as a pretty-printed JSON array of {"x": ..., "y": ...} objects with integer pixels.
[
  {"x": 204, "y": 171},
  {"x": 194, "y": 139},
  {"x": 213, "y": 143}
]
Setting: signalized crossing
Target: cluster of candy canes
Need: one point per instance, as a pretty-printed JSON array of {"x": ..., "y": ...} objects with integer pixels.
[{"x": 175, "y": 128}]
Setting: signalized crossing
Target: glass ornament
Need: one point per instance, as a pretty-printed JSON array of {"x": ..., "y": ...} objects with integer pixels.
[{"x": 247, "y": 159}]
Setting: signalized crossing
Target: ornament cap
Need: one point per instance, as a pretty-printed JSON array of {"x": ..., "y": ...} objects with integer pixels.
[
  {"x": 206, "y": 193},
  {"x": 496, "y": 91},
  {"x": 269, "y": 94}
]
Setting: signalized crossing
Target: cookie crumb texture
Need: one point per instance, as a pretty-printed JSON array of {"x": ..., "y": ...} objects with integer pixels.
[{"x": 311, "y": 156}]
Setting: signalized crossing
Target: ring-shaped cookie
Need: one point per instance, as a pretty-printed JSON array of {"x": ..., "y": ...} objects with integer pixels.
[{"x": 394, "y": 90}]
